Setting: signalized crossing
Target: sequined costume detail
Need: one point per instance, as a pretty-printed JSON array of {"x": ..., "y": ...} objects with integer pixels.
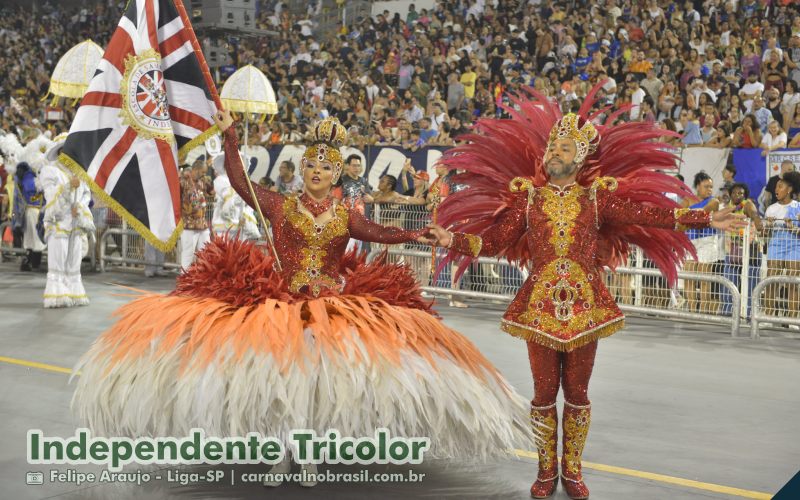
[
  {"x": 564, "y": 303},
  {"x": 310, "y": 252}
]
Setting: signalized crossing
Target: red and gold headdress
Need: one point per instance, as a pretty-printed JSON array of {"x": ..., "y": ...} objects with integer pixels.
[
  {"x": 583, "y": 132},
  {"x": 329, "y": 136}
]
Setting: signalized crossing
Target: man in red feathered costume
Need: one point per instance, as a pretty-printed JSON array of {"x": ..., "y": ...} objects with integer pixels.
[{"x": 564, "y": 204}]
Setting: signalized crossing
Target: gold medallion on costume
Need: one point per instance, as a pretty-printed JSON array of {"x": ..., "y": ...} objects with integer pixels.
[{"x": 144, "y": 97}]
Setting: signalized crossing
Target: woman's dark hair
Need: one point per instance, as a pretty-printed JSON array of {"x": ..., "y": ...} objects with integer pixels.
[
  {"x": 700, "y": 177},
  {"x": 741, "y": 185},
  {"x": 793, "y": 180},
  {"x": 392, "y": 181}
]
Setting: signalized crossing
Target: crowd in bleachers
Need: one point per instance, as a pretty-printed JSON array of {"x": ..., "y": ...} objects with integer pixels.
[
  {"x": 717, "y": 71},
  {"x": 721, "y": 73}
]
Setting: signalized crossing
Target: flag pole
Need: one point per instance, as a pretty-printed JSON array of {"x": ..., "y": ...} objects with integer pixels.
[{"x": 212, "y": 89}]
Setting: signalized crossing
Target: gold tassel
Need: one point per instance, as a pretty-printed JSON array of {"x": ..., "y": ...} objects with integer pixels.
[
  {"x": 530, "y": 335},
  {"x": 133, "y": 222}
]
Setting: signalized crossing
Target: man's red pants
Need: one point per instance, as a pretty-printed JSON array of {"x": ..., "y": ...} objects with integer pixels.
[{"x": 553, "y": 369}]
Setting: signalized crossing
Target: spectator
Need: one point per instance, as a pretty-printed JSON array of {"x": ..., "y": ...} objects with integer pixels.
[
  {"x": 646, "y": 113},
  {"x": 666, "y": 100},
  {"x": 769, "y": 191},
  {"x": 355, "y": 189},
  {"x": 698, "y": 294},
  {"x": 427, "y": 133},
  {"x": 772, "y": 50},
  {"x": 735, "y": 115},
  {"x": 405, "y": 73},
  {"x": 652, "y": 84},
  {"x": 708, "y": 131},
  {"x": 782, "y": 221},
  {"x": 442, "y": 138},
  {"x": 729, "y": 177},
  {"x": 668, "y": 124},
  {"x": 288, "y": 182},
  {"x": 685, "y": 56},
  {"x": 468, "y": 79},
  {"x": 763, "y": 115},
  {"x": 750, "y": 61},
  {"x": 749, "y": 134},
  {"x": 792, "y": 54},
  {"x": 386, "y": 190},
  {"x": 455, "y": 93},
  {"x": 794, "y": 142},
  {"x": 750, "y": 90},
  {"x": 775, "y": 138},
  {"x": 773, "y": 104},
  {"x": 691, "y": 128},
  {"x": 774, "y": 72},
  {"x": 790, "y": 99},
  {"x": 414, "y": 112},
  {"x": 420, "y": 180},
  {"x": 740, "y": 199},
  {"x": 387, "y": 193},
  {"x": 637, "y": 96},
  {"x": 437, "y": 116}
]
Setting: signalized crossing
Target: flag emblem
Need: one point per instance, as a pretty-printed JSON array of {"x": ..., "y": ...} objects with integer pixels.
[{"x": 145, "y": 107}]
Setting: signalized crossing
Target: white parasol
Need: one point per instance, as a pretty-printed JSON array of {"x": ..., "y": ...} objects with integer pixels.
[
  {"x": 75, "y": 70},
  {"x": 249, "y": 91}
]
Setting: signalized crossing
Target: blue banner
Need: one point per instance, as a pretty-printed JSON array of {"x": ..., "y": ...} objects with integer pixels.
[
  {"x": 755, "y": 170},
  {"x": 377, "y": 160},
  {"x": 751, "y": 169}
]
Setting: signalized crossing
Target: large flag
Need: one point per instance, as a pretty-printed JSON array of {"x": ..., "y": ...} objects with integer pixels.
[{"x": 150, "y": 101}]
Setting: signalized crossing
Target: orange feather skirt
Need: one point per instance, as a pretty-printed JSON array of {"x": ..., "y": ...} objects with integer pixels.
[{"x": 232, "y": 351}]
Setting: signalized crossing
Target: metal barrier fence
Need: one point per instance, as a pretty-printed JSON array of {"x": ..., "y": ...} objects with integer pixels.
[
  {"x": 710, "y": 288},
  {"x": 494, "y": 280},
  {"x": 769, "y": 313}
]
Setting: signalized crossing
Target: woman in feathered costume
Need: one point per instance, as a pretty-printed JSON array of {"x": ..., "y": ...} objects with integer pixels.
[
  {"x": 319, "y": 339},
  {"x": 564, "y": 197}
]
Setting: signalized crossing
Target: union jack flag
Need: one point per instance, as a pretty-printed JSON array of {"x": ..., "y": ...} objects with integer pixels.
[{"x": 150, "y": 101}]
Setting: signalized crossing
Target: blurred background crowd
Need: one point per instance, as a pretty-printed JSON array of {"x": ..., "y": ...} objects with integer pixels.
[{"x": 719, "y": 72}]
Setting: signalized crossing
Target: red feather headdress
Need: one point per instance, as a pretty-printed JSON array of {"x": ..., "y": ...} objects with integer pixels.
[{"x": 497, "y": 151}]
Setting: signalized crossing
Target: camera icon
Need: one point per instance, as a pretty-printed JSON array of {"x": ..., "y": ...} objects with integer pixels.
[{"x": 34, "y": 478}]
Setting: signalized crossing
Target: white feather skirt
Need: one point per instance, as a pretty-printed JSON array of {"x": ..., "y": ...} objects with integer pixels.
[{"x": 342, "y": 363}]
